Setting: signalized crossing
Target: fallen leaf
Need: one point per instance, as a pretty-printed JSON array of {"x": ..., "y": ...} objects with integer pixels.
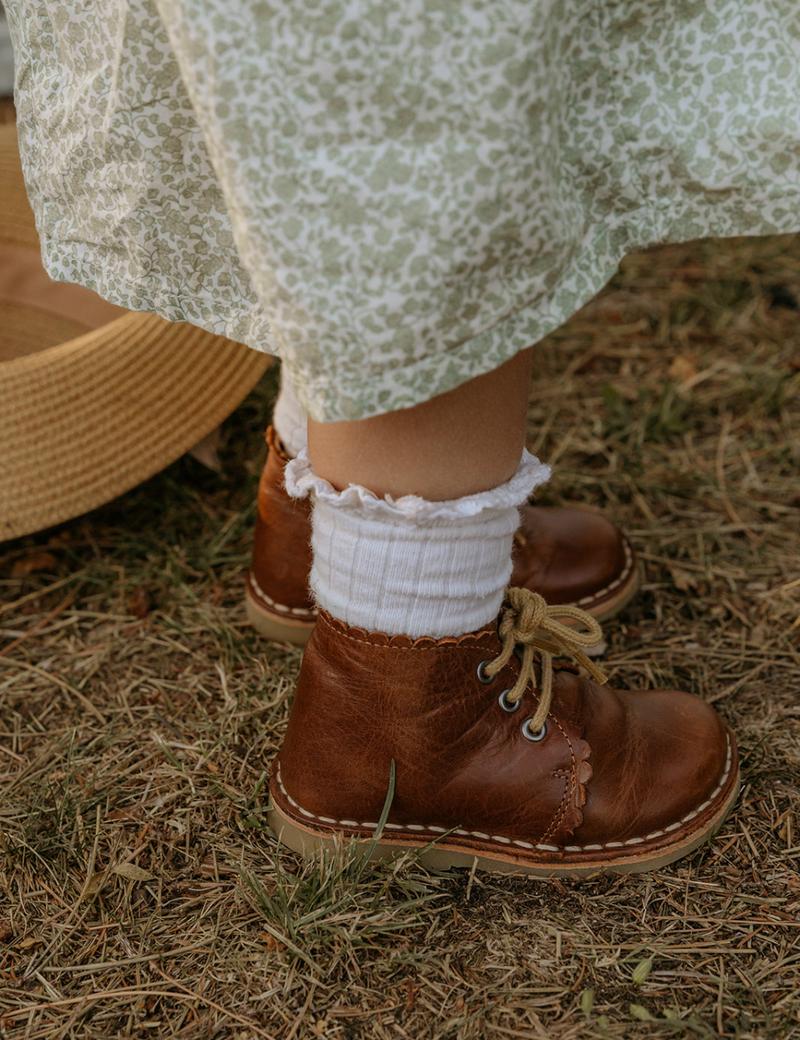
[
  {"x": 683, "y": 580},
  {"x": 683, "y": 368},
  {"x": 135, "y": 813},
  {"x": 133, "y": 873},
  {"x": 28, "y": 944},
  {"x": 40, "y": 561},
  {"x": 642, "y": 970},
  {"x": 139, "y": 602},
  {"x": 94, "y": 884},
  {"x": 270, "y": 941}
]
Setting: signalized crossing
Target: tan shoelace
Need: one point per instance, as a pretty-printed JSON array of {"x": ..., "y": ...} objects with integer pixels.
[{"x": 530, "y": 623}]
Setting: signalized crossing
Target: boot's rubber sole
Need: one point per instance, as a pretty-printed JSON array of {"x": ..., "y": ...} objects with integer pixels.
[
  {"x": 442, "y": 853},
  {"x": 275, "y": 626}
]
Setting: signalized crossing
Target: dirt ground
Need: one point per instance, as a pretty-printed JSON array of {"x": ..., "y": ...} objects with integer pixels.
[{"x": 141, "y": 892}]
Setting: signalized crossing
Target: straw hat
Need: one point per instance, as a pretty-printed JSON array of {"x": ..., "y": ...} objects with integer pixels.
[{"x": 93, "y": 399}]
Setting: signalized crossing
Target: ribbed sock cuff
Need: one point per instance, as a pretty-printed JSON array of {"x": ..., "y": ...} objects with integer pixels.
[{"x": 409, "y": 565}]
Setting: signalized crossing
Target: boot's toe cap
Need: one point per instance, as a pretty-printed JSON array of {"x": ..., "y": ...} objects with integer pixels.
[
  {"x": 671, "y": 767},
  {"x": 568, "y": 555}
]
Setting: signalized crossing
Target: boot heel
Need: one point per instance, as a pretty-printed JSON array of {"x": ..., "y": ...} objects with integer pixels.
[{"x": 299, "y": 840}]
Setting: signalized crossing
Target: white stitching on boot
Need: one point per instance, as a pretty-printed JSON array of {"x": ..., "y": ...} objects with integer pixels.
[
  {"x": 524, "y": 844},
  {"x": 615, "y": 584},
  {"x": 308, "y": 613}
]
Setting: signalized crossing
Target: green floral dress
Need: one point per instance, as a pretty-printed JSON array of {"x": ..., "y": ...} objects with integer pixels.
[{"x": 395, "y": 196}]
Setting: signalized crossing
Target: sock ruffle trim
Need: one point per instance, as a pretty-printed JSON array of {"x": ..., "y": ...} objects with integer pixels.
[{"x": 302, "y": 480}]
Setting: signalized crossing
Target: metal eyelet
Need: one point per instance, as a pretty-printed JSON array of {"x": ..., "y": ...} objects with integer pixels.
[
  {"x": 487, "y": 680},
  {"x": 535, "y": 737},
  {"x": 507, "y": 705}
]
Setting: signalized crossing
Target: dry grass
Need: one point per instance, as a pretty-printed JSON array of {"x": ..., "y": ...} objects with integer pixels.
[{"x": 143, "y": 896}]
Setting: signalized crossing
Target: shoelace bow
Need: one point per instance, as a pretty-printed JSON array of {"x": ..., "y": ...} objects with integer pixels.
[{"x": 530, "y": 623}]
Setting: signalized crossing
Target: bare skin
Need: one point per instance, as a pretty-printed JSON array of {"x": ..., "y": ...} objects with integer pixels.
[{"x": 462, "y": 442}]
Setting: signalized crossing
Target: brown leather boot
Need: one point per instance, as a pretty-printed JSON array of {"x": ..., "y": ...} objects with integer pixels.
[
  {"x": 278, "y": 599},
  {"x": 567, "y": 555},
  {"x": 524, "y": 765}
]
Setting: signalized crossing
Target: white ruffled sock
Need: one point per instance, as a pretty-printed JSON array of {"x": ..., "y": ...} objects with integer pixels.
[
  {"x": 289, "y": 419},
  {"x": 410, "y": 566}
]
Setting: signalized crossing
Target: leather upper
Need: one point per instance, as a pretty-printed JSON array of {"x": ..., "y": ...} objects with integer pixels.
[
  {"x": 615, "y": 769},
  {"x": 568, "y": 555},
  {"x": 282, "y": 545}
]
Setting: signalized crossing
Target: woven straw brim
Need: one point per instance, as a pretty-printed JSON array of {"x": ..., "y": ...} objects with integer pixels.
[{"x": 89, "y": 418}]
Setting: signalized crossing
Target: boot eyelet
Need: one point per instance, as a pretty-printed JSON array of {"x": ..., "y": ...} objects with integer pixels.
[
  {"x": 487, "y": 680},
  {"x": 535, "y": 737},
  {"x": 507, "y": 705}
]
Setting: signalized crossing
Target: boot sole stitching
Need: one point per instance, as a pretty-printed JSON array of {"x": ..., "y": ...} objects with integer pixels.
[
  {"x": 524, "y": 844},
  {"x": 304, "y": 612}
]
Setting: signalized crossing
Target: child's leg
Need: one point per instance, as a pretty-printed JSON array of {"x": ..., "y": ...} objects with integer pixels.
[{"x": 460, "y": 443}]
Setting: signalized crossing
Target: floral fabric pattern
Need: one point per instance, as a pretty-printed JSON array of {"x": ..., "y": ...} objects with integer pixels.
[{"x": 395, "y": 197}]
